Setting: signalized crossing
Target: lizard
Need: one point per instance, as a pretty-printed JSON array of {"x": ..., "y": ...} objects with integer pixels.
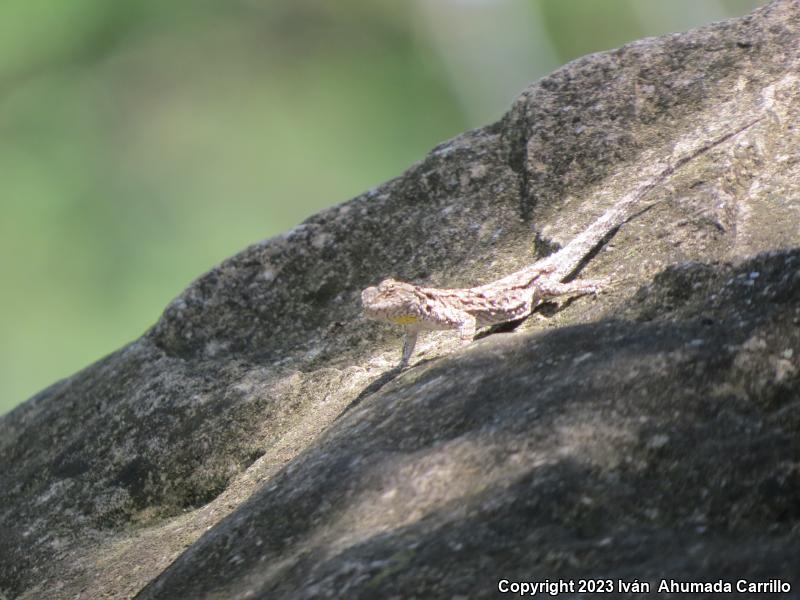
[{"x": 515, "y": 296}]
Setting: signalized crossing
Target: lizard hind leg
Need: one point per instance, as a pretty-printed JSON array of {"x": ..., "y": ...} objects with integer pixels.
[{"x": 579, "y": 287}]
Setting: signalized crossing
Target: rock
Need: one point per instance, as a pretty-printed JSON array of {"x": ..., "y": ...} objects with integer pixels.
[{"x": 256, "y": 443}]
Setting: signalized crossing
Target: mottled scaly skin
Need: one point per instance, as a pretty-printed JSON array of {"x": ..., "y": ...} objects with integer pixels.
[{"x": 418, "y": 308}]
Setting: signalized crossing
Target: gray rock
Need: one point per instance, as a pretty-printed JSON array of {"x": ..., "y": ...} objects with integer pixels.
[{"x": 256, "y": 442}]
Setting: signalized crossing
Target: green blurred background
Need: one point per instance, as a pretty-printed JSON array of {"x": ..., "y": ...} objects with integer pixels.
[{"x": 143, "y": 141}]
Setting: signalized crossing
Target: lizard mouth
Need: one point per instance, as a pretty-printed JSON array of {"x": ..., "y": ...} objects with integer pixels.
[
  {"x": 371, "y": 304},
  {"x": 368, "y": 296}
]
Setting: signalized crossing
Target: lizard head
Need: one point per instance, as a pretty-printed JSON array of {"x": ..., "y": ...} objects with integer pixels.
[{"x": 392, "y": 301}]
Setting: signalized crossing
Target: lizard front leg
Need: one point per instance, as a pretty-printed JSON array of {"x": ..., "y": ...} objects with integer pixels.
[
  {"x": 409, "y": 341},
  {"x": 465, "y": 322}
]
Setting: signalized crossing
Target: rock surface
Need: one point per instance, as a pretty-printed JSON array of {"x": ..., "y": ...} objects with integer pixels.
[{"x": 256, "y": 442}]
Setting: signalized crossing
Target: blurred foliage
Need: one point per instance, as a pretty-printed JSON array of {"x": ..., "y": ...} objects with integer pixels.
[{"x": 143, "y": 141}]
